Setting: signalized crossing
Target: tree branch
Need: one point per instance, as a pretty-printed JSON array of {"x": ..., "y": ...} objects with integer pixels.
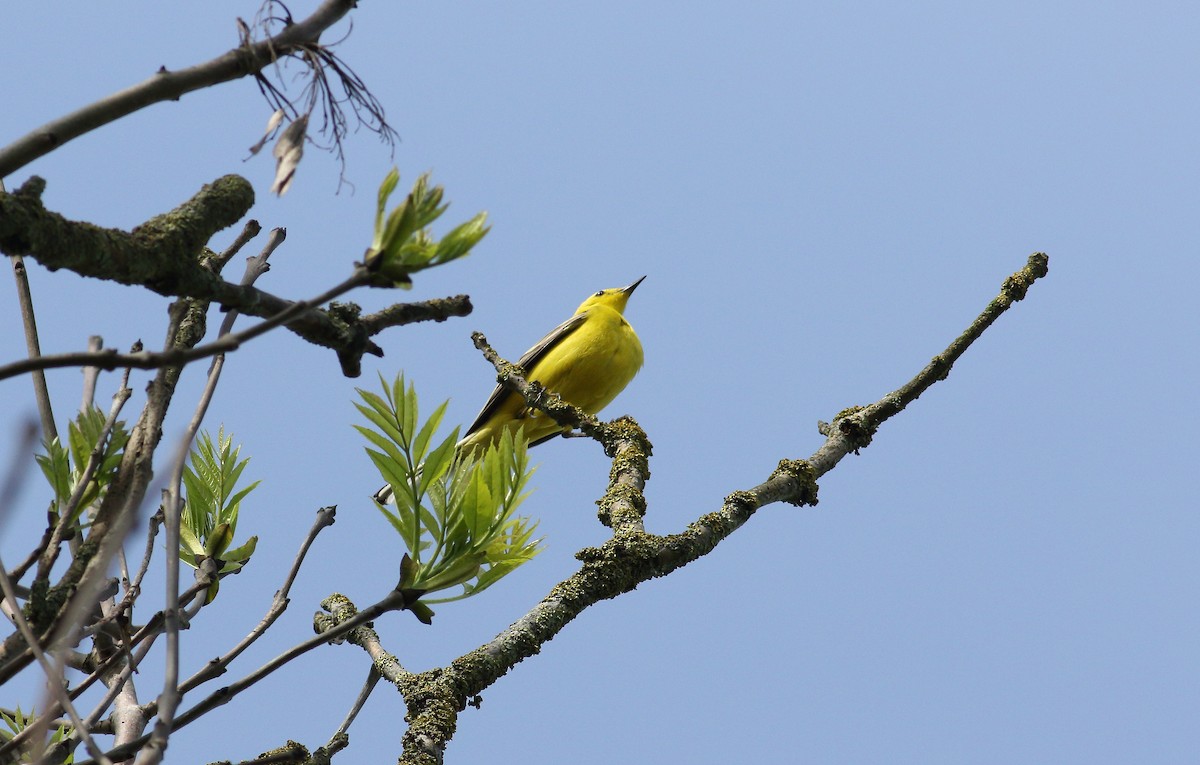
[
  {"x": 633, "y": 556},
  {"x": 29, "y": 322},
  {"x": 247, "y": 59},
  {"x": 163, "y": 255},
  {"x": 343, "y": 618}
]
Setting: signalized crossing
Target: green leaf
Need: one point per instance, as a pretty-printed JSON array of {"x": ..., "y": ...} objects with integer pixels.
[
  {"x": 438, "y": 461},
  {"x": 402, "y": 243},
  {"x": 190, "y": 546},
  {"x": 386, "y": 445},
  {"x": 421, "y": 442},
  {"x": 455, "y": 517},
  {"x": 459, "y": 241},
  {"x": 242, "y": 553},
  {"x": 212, "y": 501},
  {"x": 56, "y": 466}
]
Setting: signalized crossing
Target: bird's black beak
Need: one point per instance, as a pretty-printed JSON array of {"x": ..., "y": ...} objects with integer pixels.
[{"x": 629, "y": 290}]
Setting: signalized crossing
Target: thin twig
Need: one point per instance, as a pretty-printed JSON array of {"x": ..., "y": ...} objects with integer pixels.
[
  {"x": 25, "y": 438},
  {"x": 90, "y": 375},
  {"x": 249, "y": 231},
  {"x": 247, "y": 59},
  {"x": 172, "y": 694},
  {"x": 115, "y": 686},
  {"x": 393, "y": 601},
  {"x": 364, "y": 694},
  {"x": 55, "y": 681},
  {"x": 279, "y": 604},
  {"x": 33, "y": 347},
  {"x": 174, "y": 357},
  {"x": 133, "y": 588},
  {"x": 86, "y": 576}
]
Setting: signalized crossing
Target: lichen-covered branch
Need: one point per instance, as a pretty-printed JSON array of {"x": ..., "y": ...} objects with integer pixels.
[
  {"x": 165, "y": 254},
  {"x": 853, "y": 428},
  {"x": 162, "y": 254},
  {"x": 632, "y": 556}
]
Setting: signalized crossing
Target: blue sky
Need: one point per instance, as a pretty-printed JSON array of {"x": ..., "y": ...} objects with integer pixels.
[{"x": 821, "y": 199}]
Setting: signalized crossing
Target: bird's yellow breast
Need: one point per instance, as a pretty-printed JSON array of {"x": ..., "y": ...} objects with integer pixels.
[
  {"x": 587, "y": 360},
  {"x": 594, "y": 363}
]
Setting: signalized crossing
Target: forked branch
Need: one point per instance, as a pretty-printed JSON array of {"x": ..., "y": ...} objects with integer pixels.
[{"x": 632, "y": 556}]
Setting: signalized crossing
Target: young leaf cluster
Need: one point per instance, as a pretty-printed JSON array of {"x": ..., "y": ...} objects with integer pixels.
[
  {"x": 64, "y": 466},
  {"x": 455, "y": 515},
  {"x": 18, "y": 721},
  {"x": 403, "y": 243},
  {"x": 211, "y": 506}
]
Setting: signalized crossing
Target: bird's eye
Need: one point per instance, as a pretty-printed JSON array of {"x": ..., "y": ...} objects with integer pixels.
[{"x": 598, "y": 294}]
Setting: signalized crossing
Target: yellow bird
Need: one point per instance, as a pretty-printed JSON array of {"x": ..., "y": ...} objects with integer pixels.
[{"x": 587, "y": 360}]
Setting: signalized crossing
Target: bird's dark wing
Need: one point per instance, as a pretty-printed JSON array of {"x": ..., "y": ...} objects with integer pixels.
[
  {"x": 527, "y": 362},
  {"x": 543, "y": 439}
]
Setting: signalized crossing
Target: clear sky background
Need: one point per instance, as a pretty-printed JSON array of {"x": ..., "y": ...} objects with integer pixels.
[{"x": 822, "y": 197}]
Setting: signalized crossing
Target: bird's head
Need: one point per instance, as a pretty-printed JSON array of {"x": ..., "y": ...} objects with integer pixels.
[{"x": 614, "y": 298}]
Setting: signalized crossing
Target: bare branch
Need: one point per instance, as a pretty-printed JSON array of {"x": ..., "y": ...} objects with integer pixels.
[
  {"x": 29, "y": 322},
  {"x": 247, "y": 59},
  {"x": 279, "y": 604},
  {"x": 162, "y": 254},
  {"x": 109, "y": 359},
  {"x": 172, "y": 693},
  {"x": 437, "y": 309},
  {"x": 55, "y": 681},
  {"x": 342, "y": 620},
  {"x": 62, "y": 608},
  {"x": 368, "y": 687},
  {"x": 249, "y": 231},
  {"x": 92, "y": 374}
]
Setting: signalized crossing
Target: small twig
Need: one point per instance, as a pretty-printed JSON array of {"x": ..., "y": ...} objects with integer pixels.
[
  {"x": 397, "y": 315},
  {"x": 134, "y": 588},
  {"x": 393, "y": 601},
  {"x": 55, "y": 681},
  {"x": 249, "y": 231},
  {"x": 335, "y": 745},
  {"x": 34, "y": 556},
  {"x": 364, "y": 694},
  {"x": 853, "y": 428},
  {"x": 216, "y": 667},
  {"x": 172, "y": 694},
  {"x": 437, "y": 309},
  {"x": 180, "y": 356},
  {"x": 166, "y": 254},
  {"x": 90, "y": 375},
  {"x": 90, "y": 588},
  {"x": 115, "y": 684},
  {"x": 25, "y": 439},
  {"x": 86, "y": 577},
  {"x": 33, "y": 347},
  {"x": 279, "y": 604}
]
